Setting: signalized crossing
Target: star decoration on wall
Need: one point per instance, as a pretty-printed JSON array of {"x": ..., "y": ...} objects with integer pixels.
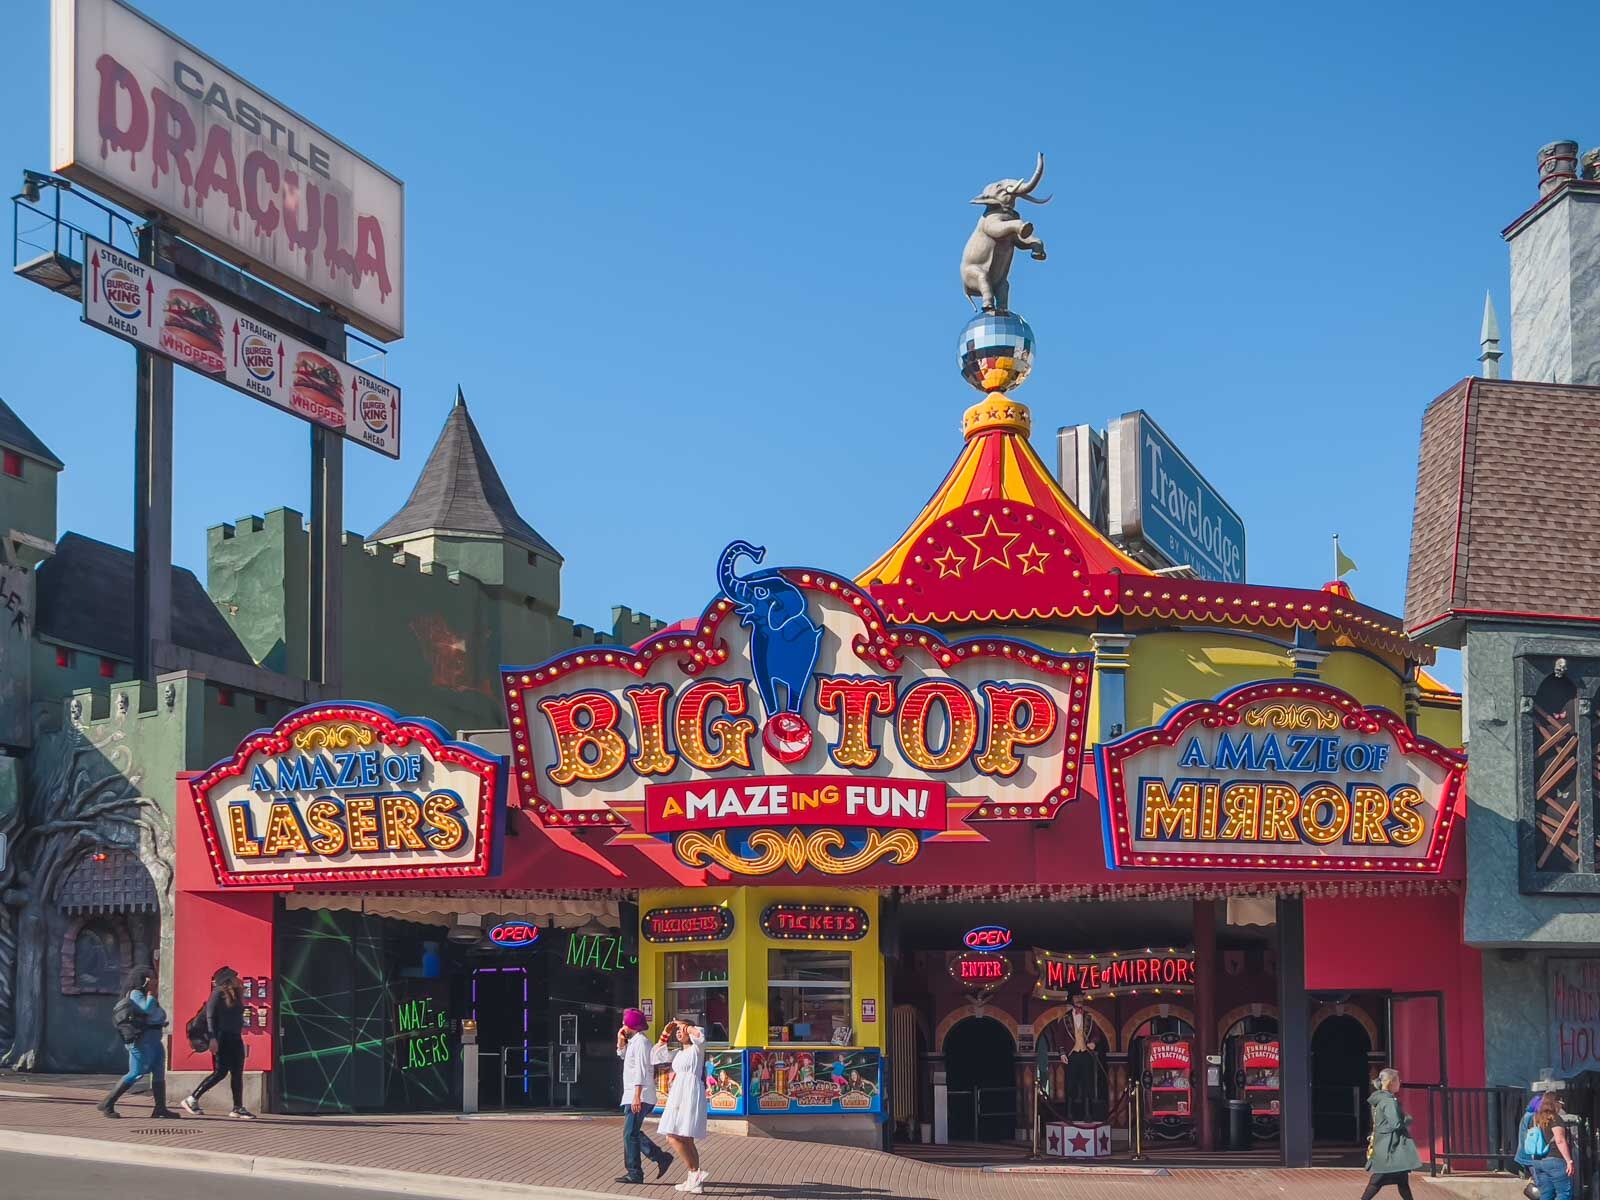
[
  {"x": 1032, "y": 559},
  {"x": 949, "y": 563},
  {"x": 991, "y": 546},
  {"x": 1079, "y": 1142}
]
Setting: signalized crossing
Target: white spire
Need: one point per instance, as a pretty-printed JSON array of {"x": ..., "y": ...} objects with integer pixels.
[{"x": 1489, "y": 340}]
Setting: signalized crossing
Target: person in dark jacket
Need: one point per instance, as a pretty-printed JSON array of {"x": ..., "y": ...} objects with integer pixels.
[
  {"x": 225, "y": 1027},
  {"x": 140, "y": 1020},
  {"x": 1393, "y": 1154}
]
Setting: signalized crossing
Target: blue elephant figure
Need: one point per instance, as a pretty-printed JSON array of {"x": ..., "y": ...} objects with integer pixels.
[{"x": 784, "y": 640}]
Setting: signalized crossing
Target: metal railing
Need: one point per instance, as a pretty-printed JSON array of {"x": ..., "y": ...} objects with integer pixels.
[
  {"x": 49, "y": 220},
  {"x": 1476, "y": 1129},
  {"x": 1473, "y": 1127},
  {"x": 535, "y": 1063}
]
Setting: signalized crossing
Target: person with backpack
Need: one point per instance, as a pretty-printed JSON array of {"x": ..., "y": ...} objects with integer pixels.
[
  {"x": 1548, "y": 1151},
  {"x": 219, "y": 1027},
  {"x": 1528, "y": 1114},
  {"x": 1391, "y": 1154},
  {"x": 140, "y": 1020}
]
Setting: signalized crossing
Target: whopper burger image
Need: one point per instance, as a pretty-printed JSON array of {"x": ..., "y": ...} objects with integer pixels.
[
  {"x": 191, "y": 330},
  {"x": 318, "y": 389}
]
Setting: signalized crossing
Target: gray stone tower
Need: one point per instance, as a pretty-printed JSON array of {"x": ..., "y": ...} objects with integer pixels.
[{"x": 1555, "y": 272}]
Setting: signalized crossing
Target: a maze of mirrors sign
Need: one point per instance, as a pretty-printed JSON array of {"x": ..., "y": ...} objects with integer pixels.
[{"x": 1280, "y": 775}]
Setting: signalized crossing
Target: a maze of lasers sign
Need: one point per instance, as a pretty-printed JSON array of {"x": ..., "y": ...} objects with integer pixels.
[{"x": 141, "y": 116}]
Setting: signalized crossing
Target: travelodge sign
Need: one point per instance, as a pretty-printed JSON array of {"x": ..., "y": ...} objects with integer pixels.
[
  {"x": 345, "y": 792},
  {"x": 1284, "y": 774},
  {"x": 793, "y": 727}
]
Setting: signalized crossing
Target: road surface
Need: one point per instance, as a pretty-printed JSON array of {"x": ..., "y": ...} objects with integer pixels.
[{"x": 40, "y": 1177}]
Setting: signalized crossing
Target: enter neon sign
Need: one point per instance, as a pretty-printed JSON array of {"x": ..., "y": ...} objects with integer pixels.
[{"x": 980, "y": 971}]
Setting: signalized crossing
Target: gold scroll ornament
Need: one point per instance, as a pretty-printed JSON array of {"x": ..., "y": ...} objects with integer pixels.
[
  {"x": 797, "y": 850},
  {"x": 334, "y": 737},
  {"x": 1281, "y": 715}
]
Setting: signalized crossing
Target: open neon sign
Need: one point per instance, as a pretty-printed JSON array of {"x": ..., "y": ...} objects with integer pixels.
[
  {"x": 512, "y": 934},
  {"x": 987, "y": 937}
]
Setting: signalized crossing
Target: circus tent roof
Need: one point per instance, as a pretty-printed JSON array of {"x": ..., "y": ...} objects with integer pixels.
[{"x": 1000, "y": 542}]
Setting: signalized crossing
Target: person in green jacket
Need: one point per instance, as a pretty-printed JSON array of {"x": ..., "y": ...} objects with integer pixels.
[{"x": 1391, "y": 1153}]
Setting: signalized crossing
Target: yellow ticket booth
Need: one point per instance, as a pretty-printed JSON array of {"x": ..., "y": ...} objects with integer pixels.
[{"x": 788, "y": 984}]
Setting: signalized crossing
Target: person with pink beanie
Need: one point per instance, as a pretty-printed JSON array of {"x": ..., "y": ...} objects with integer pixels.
[{"x": 638, "y": 1078}]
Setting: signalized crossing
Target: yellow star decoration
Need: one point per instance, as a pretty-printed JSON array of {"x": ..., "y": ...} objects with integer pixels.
[
  {"x": 991, "y": 546},
  {"x": 1032, "y": 559},
  {"x": 949, "y": 563}
]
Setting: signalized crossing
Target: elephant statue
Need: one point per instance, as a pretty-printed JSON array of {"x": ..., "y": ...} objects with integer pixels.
[{"x": 784, "y": 640}]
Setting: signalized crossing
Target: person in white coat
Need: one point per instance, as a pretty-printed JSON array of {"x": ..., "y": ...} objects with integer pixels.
[{"x": 683, "y": 1119}]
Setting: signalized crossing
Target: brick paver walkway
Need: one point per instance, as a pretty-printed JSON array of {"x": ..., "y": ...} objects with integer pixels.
[{"x": 585, "y": 1153}]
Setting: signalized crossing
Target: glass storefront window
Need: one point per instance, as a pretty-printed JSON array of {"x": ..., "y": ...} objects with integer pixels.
[
  {"x": 697, "y": 991},
  {"x": 808, "y": 994}
]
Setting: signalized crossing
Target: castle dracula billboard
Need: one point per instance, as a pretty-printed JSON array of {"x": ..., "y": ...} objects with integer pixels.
[{"x": 142, "y": 117}]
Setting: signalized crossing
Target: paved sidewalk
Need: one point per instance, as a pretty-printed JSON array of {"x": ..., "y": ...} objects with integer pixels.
[{"x": 585, "y": 1153}]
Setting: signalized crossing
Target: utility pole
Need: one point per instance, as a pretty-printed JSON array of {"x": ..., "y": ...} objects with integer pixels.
[{"x": 152, "y": 495}]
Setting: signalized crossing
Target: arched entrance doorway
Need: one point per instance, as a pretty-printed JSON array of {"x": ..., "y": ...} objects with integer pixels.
[
  {"x": 980, "y": 1069},
  {"x": 106, "y": 919},
  {"x": 1339, "y": 1048}
]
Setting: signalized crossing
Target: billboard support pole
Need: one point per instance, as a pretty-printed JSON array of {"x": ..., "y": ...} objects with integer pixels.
[
  {"x": 327, "y": 558},
  {"x": 152, "y": 499}
]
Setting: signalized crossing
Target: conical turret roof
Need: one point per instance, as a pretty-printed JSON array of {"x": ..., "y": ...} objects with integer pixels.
[
  {"x": 460, "y": 491},
  {"x": 999, "y": 540}
]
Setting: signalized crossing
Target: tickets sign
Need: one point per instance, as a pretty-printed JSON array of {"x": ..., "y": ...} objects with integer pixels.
[
  {"x": 697, "y": 923},
  {"x": 1280, "y": 775},
  {"x": 793, "y": 727},
  {"x": 350, "y": 792},
  {"x": 143, "y": 117},
  {"x": 152, "y": 309}
]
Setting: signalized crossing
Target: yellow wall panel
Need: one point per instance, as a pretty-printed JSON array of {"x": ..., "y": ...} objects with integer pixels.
[{"x": 1169, "y": 669}]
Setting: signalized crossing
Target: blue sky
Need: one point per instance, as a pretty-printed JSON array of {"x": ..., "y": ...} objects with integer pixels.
[{"x": 695, "y": 265}]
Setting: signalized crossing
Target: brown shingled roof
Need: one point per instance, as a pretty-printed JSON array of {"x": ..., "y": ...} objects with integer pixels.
[
  {"x": 460, "y": 491},
  {"x": 1503, "y": 521}
]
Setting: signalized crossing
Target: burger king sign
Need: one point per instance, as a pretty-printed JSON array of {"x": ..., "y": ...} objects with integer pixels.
[{"x": 135, "y": 301}]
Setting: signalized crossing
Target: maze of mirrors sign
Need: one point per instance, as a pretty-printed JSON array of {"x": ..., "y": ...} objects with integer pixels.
[
  {"x": 144, "y": 118},
  {"x": 793, "y": 728},
  {"x": 1279, "y": 775}
]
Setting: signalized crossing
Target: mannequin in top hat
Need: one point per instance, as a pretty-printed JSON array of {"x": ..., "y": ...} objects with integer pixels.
[{"x": 1082, "y": 1048}]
